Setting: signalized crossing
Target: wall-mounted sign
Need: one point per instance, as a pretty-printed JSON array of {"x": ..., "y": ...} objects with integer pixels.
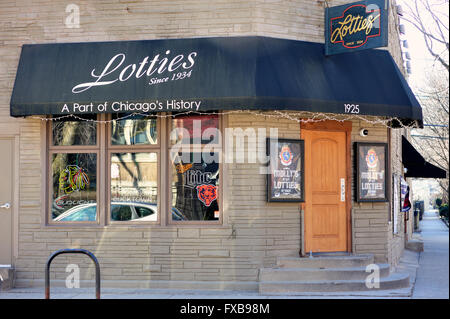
[
  {"x": 356, "y": 26},
  {"x": 285, "y": 181},
  {"x": 371, "y": 166}
]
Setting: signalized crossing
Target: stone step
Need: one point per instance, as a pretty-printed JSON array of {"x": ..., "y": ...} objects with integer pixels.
[
  {"x": 318, "y": 274},
  {"x": 393, "y": 281},
  {"x": 6, "y": 277},
  {"x": 325, "y": 261}
]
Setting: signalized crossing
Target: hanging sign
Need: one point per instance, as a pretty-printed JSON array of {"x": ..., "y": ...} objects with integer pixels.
[
  {"x": 356, "y": 26},
  {"x": 405, "y": 203},
  {"x": 285, "y": 181},
  {"x": 371, "y": 169}
]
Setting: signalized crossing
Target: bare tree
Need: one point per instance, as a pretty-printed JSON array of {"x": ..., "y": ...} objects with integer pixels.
[
  {"x": 433, "y": 140},
  {"x": 430, "y": 17}
]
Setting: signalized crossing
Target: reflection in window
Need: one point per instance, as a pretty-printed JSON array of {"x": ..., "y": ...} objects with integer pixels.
[
  {"x": 134, "y": 186},
  {"x": 80, "y": 213},
  {"x": 74, "y": 186},
  {"x": 195, "y": 192},
  {"x": 195, "y": 129},
  {"x": 66, "y": 132},
  {"x": 133, "y": 212},
  {"x": 133, "y": 130}
]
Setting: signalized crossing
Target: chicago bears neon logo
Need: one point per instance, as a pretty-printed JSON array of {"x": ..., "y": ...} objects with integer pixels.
[
  {"x": 286, "y": 156},
  {"x": 206, "y": 194},
  {"x": 371, "y": 158}
]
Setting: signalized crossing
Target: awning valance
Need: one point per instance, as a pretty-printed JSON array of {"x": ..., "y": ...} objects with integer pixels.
[
  {"x": 416, "y": 165},
  {"x": 202, "y": 74}
]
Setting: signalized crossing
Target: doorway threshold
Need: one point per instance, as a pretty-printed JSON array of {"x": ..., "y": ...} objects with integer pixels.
[{"x": 330, "y": 254}]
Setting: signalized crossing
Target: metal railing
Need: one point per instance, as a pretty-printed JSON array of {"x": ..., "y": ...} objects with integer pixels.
[{"x": 72, "y": 251}]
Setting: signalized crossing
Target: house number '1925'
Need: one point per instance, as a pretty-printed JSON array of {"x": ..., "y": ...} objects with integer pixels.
[{"x": 352, "y": 108}]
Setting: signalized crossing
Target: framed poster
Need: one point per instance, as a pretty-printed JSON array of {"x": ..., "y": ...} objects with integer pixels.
[
  {"x": 371, "y": 166},
  {"x": 285, "y": 179}
]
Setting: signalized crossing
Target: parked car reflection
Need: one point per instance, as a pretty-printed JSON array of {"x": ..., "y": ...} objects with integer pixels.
[{"x": 120, "y": 211}]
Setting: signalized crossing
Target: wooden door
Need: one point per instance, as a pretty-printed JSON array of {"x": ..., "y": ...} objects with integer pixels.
[{"x": 325, "y": 191}]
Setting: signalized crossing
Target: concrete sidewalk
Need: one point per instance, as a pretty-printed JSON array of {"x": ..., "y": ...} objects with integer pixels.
[
  {"x": 428, "y": 277},
  {"x": 110, "y": 293},
  {"x": 409, "y": 263},
  {"x": 432, "y": 274}
]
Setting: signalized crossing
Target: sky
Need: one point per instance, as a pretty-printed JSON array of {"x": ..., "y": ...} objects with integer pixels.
[
  {"x": 421, "y": 63},
  {"x": 421, "y": 60}
]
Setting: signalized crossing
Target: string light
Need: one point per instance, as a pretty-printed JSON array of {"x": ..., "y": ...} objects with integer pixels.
[{"x": 299, "y": 117}]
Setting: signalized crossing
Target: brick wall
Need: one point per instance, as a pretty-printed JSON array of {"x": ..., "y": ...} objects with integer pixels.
[
  {"x": 370, "y": 220},
  {"x": 254, "y": 232}
]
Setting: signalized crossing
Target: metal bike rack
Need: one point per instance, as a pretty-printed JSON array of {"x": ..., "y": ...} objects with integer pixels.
[{"x": 72, "y": 251}]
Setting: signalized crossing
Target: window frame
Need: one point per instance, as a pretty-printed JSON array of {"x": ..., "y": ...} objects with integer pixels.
[
  {"x": 168, "y": 171},
  {"x": 139, "y": 148},
  {"x": 71, "y": 149},
  {"x": 111, "y": 222},
  {"x": 50, "y": 145},
  {"x": 110, "y": 146},
  {"x": 103, "y": 150}
]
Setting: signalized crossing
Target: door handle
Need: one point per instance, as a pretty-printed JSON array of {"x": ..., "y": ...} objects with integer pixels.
[
  {"x": 342, "y": 189},
  {"x": 6, "y": 206}
]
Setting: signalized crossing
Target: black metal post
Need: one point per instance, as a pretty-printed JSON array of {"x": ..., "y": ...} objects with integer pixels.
[{"x": 72, "y": 251}]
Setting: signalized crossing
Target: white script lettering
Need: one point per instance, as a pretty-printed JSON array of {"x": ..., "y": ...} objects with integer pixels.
[{"x": 109, "y": 75}]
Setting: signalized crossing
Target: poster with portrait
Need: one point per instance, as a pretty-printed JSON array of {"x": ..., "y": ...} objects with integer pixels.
[
  {"x": 371, "y": 166},
  {"x": 285, "y": 179}
]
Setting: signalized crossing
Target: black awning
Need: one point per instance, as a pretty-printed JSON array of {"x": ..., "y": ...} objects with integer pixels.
[
  {"x": 416, "y": 164},
  {"x": 202, "y": 74}
]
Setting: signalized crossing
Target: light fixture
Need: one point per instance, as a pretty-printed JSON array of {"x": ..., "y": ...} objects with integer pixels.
[{"x": 364, "y": 132}]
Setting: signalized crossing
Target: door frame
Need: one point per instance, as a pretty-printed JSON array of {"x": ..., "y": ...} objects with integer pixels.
[
  {"x": 14, "y": 194},
  {"x": 335, "y": 126}
]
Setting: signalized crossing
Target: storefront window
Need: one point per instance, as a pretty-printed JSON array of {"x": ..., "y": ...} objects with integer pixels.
[
  {"x": 195, "y": 192},
  {"x": 133, "y": 130},
  {"x": 195, "y": 129},
  {"x": 74, "y": 187},
  {"x": 134, "y": 187},
  {"x": 195, "y": 168},
  {"x": 111, "y": 172},
  {"x": 69, "y": 132}
]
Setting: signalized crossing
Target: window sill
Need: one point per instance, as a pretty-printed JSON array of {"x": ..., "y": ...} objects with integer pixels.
[{"x": 135, "y": 226}]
